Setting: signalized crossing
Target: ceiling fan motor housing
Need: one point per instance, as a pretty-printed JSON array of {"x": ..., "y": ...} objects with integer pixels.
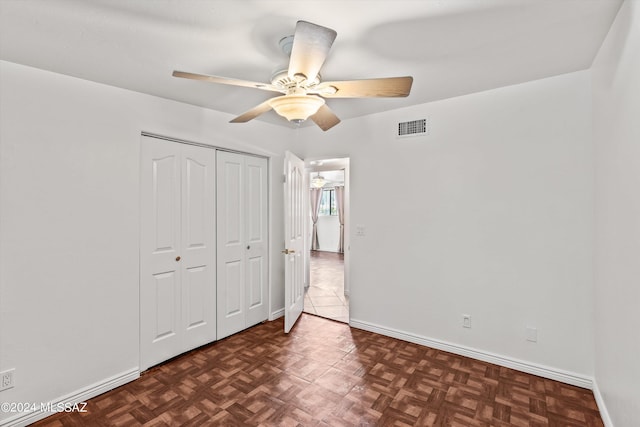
[{"x": 282, "y": 80}]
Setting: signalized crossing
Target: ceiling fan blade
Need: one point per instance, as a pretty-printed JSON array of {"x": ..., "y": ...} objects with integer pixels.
[
  {"x": 253, "y": 113},
  {"x": 226, "y": 81},
  {"x": 389, "y": 87},
  {"x": 311, "y": 44},
  {"x": 325, "y": 118}
]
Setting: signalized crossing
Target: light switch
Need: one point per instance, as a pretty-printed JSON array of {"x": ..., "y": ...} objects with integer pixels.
[{"x": 466, "y": 321}]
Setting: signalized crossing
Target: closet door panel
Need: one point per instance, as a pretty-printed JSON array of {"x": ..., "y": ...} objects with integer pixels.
[
  {"x": 160, "y": 274},
  {"x": 230, "y": 196},
  {"x": 198, "y": 259},
  {"x": 230, "y": 244},
  {"x": 195, "y": 296},
  {"x": 164, "y": 290},
  {"x": 177, "y": 249},
  {"x": 195, "y": 230},
  {"x": 255, "y": 282},
  {"x": 233, "y": 278},
  {"x": 256, "y": 225},
  {"x": 256, "y": 212}
]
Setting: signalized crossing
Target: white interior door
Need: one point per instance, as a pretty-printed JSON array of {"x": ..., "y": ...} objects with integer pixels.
[
  {"x": 294, "y": 239},
  {"x": 177, "y": 250},
  {"x": 243, "y": 267},
  {"x": 256, "y": 227},
  {"x": 159, "y": 248},
  {"x": 231, "y": 237},
  {"x": 198, "y": 243}
]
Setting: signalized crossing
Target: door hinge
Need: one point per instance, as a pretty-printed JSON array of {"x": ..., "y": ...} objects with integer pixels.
[{"x": 284, "y": 178}]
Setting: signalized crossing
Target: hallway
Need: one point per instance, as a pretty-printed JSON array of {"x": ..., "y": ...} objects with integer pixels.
[{"x": 325, "y": 296}]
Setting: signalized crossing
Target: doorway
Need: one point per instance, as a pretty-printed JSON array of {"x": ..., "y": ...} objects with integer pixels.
[{"x": 327, "y": 293}]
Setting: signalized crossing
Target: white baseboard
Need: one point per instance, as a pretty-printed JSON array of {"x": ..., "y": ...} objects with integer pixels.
[
  {"x": 277, "y": 314},
  {"x": 602, "y": 407},
  {"x": 508, "y": 362},
  {"x": 78, "y": 396}
]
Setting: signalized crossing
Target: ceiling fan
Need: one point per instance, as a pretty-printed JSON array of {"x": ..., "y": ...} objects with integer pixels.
[{"x": 303, "y": 90}]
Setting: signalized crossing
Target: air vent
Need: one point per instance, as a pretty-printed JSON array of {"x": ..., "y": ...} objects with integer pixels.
[{"x": 413, "y": 128}]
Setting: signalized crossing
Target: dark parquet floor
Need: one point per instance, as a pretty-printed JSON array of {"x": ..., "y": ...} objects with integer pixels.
[{"x": 325, "y": 374}]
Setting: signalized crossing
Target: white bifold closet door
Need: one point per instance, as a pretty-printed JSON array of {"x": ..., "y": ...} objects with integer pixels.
[
  {"x": 177, "y": 249},
  {"x": 242, "y": 250}
]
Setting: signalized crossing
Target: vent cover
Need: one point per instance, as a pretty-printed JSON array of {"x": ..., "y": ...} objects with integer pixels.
[{"x": 413, "y": 128}]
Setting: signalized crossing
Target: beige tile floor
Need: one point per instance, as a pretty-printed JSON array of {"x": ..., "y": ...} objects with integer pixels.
[{"x": 325, "y": 296}]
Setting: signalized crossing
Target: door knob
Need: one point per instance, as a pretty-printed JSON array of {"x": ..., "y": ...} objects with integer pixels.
[
  {"x": 178, "y": 258},
  {"x": 288, "y": 251}
]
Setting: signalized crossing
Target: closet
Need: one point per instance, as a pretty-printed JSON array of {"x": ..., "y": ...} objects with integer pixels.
[
  {"x": 242, "y": 284},
  {"x": 203, "y": 246}
]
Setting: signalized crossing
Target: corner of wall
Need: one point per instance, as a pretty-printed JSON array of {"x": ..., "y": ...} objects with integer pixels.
[{"x": 602, "y": 407}]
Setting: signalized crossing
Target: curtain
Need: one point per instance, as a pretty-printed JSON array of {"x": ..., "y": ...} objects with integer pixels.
[
  {"x": 316, "y": 195},
  {"x": 340, "y": 208}
]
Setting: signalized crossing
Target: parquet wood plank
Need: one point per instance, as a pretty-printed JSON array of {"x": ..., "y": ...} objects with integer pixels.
[{"x": 325, "y": 374}]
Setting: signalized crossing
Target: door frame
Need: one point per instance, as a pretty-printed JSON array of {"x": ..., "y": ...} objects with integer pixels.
[{"x": 347, "y": 221}]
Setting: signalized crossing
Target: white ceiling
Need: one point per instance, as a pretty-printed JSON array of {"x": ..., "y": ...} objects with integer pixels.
[
  {"x": 450, "y": 47},
  {"x": 315, "y": 165}
]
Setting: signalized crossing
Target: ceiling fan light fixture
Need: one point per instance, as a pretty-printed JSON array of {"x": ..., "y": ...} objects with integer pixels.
[
  {"x": 296, "y": 108},
  {"x": 300, "y": 82}
]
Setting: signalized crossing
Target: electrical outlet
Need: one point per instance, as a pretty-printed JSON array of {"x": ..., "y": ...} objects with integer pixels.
[
  {"x": 6, "y": 379},
  {"x": 466, "y": 321},
  {"x": 532, "y": 334}
]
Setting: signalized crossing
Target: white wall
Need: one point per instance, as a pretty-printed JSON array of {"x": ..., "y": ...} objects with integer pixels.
[
  {"x": 616, "y": 108},
  {"x": 69, "y": 213},
  {"x": 491, "y": 215}
]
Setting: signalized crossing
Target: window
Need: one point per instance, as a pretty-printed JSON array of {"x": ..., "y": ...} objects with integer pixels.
[{"x": 328, "y": 203}]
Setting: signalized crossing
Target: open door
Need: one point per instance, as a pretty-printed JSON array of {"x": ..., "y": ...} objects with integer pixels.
[{"x": 293, "y": 239}]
